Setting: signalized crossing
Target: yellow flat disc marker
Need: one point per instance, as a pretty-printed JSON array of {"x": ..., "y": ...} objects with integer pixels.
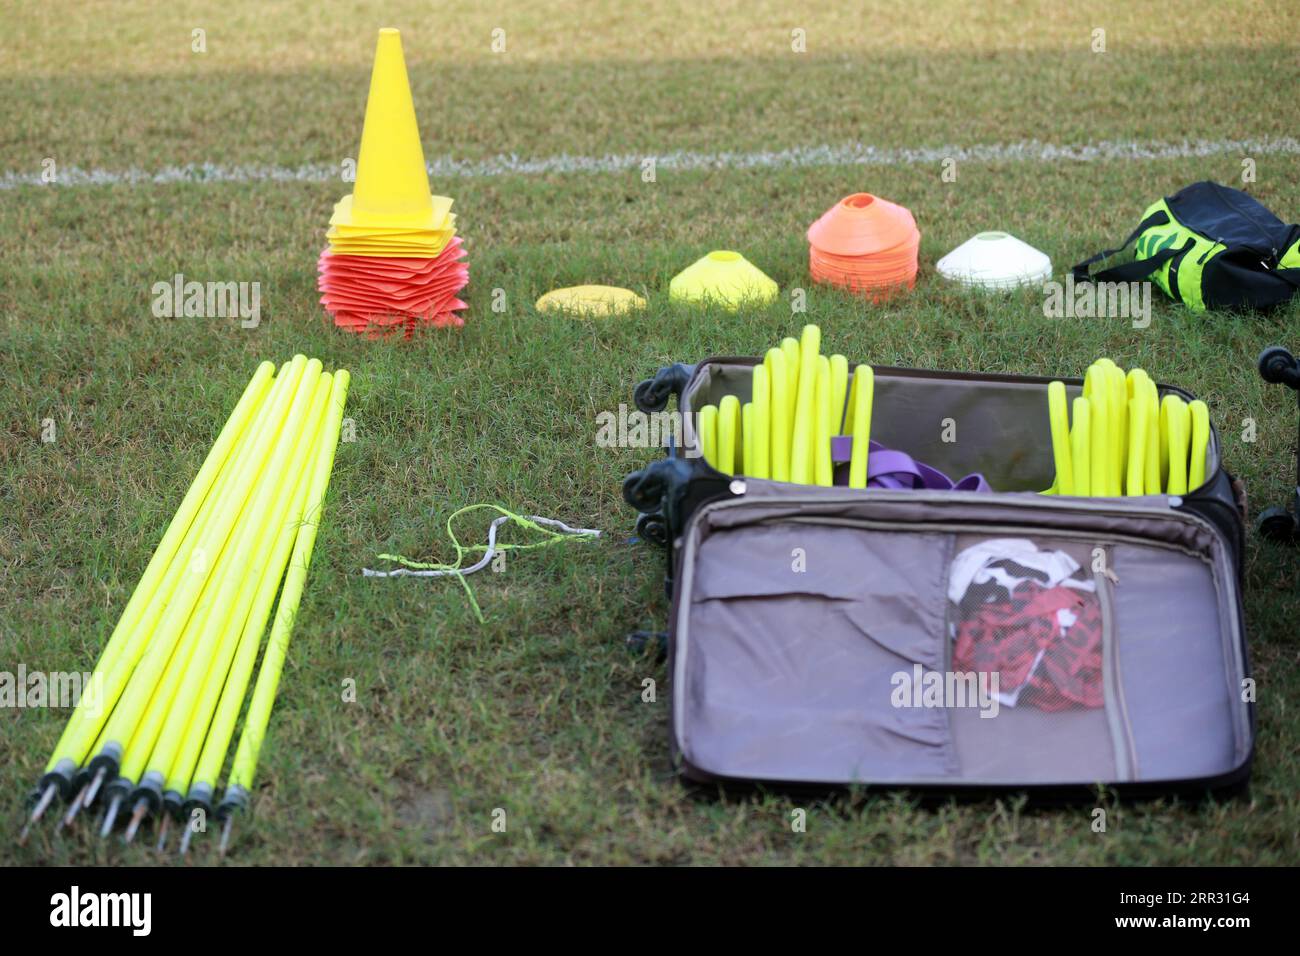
[{"x": 593, "y": 301}]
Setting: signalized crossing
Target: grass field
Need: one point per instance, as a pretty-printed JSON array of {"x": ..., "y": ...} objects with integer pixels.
[{"x": 539, "y": 710}]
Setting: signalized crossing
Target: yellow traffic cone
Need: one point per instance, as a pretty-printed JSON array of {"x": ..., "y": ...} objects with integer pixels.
[{"x": 392, "y": 187}]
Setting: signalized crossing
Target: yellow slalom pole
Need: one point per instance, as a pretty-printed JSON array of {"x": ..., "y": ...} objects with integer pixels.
[
  {"x": 145, "y": 676},
  {"x": 177, "y": 749},
  {"x": 801, "y": 460},
  {"x": 191, "y": 561},
  {"x": 779, "y": 444},
  {"x": 199, "y": 786},
  {"x": 181, "y": 564},
  {"x": 86, "y": 722},
  {"x": 191, "y": 557},
  {"x": 728, "y": 427},
  {"x": 134, "y": 744},
  {"x": 238, "y": 585},
  {"x": 823, "y": 469},
  {"x": 1081, "y": 446},
  {"x": 179, "y": 752},
  {"x": 1174, "y": 413},
  {"x": 1137, "y": 445},
  {"x": 1058, "y": 417},
  {"x": 277, "y": 645},
  {"x": 864, "y": 385},
  {"x": 220, "y": 611},
  {"x": 839, "y": 390},
  {"x": 135, "y": 756},
  {"x": 758, "y": 431},
  {"x": 707, "y": 425},
  {"x": 1200, "y": 415}
]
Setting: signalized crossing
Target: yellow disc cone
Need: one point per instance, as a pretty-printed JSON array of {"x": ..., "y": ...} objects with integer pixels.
[
  {"x": 591, "y": 301},
  {"x": 1081, "y": 446},
  {"x": 724, "y": 278},
  {"x": 778, "y": 384},
  {"x": 1135, "y": 476},
  {"x": 1152, "y": 461},
  {"x": 745, "y": 460},
  {"x": 839, "y": 389},
  {"x": 392, "y": 187},
  {"x": 1119, "y": 429},
  {"x": 758, "y": 431},
  {"x": 1200, "y": 413},
  {"x": 864, "y": 385},
  {"x": 823, "y": 469},
  {"x": 790, "y": 347},
  {"x": 1177, "y": 421},
  {"x": 1059, "y": 422},
  {"x": 1099, "y": 424},
  {"x": 728, "y": 427},
  {"x": 801, "y": 445},
  {"x": 707, "y": 424}
]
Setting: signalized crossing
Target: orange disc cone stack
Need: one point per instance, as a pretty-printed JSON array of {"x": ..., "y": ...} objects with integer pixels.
[
  {"x": 865, "y": 244},
  {"x": 394, "y": 261}
]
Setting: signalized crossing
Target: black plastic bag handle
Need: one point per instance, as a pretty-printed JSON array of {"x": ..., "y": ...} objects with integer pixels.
[{"x": 652, "y": 394}]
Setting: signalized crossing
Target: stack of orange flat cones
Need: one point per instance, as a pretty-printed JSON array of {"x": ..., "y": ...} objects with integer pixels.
[
  {"x": 865, "y": 244},
  {"x": 394, "y": 262}
]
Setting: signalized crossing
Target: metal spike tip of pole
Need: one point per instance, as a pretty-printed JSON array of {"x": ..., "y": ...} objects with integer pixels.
[
  {"x": 96, "y": 782},
  {"x": 225, "y": 834},
  {"x": 110, "y": 815},
  {"x": 137, "y": 816},
  {"x": 38, "y": 811},
  {"x": 163, "y": 827},
  {"x": 74, "y": 807}
]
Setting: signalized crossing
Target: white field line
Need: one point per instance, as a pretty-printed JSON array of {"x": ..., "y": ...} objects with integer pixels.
[{"x": 849, "y": 154}]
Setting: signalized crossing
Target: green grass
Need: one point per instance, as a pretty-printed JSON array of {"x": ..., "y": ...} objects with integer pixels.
[{"x": 538, "y": 711}]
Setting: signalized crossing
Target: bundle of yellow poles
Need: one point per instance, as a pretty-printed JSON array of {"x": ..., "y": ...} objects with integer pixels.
[
  {"x": 155, "y": 733},
  {"x": 1122, "y": 438},
  {"x": 799, "y": 400}
]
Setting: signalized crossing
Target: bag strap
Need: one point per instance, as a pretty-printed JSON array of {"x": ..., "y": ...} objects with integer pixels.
[
  {"x": 1130, "y": 271},
  {"x": 888, "y": 468}
]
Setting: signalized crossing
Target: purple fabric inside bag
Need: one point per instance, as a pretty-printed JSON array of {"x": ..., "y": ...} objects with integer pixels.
[{"x": 887, "y": 468}]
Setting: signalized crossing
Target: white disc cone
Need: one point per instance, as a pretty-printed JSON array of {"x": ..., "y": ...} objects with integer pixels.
[{"x": 995, "y": 260}]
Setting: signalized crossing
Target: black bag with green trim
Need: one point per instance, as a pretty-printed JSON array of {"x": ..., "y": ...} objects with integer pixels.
[{"x": 1209, "y": 247}]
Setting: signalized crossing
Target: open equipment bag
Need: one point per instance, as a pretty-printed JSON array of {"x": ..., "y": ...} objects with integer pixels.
[{"x": 811, "y": 626}]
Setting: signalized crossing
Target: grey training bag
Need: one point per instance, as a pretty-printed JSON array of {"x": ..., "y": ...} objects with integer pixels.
[{"x": 940, "y": 639}]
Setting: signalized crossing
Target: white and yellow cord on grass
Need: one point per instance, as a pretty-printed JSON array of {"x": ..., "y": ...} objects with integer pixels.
[{"x": 561, "y": 534}]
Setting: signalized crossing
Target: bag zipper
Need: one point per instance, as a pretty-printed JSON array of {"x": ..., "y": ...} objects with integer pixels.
[
  {"x": 739, "y": 489},
  {"x": 1263, "y": 233},
  {"x": 1121, "y": 732}
]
